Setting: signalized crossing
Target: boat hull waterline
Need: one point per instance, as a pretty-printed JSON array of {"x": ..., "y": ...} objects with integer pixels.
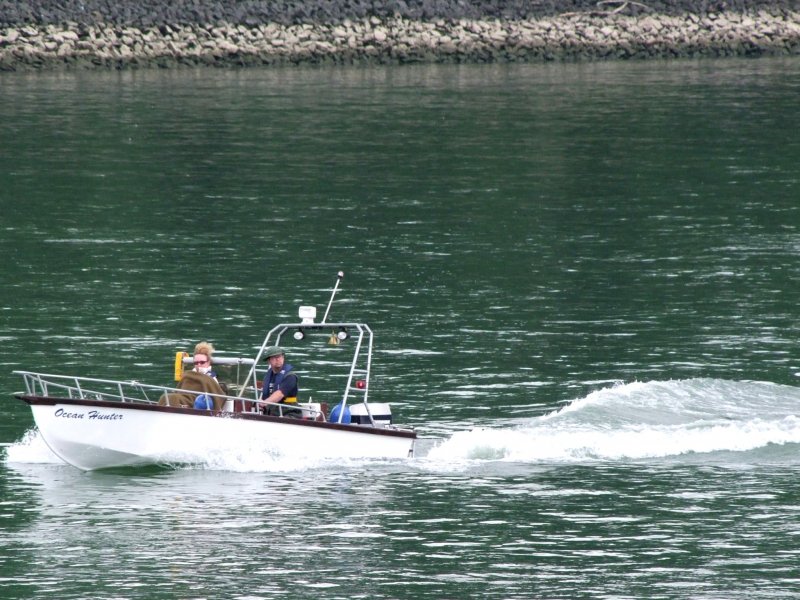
[{"x": 94, "y": 435}]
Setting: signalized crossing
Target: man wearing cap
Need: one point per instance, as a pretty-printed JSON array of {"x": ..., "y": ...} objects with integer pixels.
[{"x": 280, "y": 384}]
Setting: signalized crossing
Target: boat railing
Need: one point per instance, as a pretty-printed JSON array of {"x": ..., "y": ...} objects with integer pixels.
[{"x": 109, "y": 390}]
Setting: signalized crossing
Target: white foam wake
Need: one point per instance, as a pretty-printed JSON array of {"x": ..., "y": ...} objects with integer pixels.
[
  {"x": 641, "y": 421},
  {"x": 31, "y": 449}
]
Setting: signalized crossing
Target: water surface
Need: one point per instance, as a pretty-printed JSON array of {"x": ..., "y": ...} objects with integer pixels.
[{"x": 582, "y": 280}]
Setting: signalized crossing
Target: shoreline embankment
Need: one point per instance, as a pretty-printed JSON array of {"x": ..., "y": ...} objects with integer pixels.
[{"x": 107, "y": 34}]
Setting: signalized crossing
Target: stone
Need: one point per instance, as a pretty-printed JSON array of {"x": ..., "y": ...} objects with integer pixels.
[{"x": 390, "y": 31}]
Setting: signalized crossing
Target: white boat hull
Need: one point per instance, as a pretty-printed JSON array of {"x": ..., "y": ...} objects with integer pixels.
[{"x": 97, "y": 435}]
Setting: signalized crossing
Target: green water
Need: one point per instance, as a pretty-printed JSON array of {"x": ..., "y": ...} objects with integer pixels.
[{"x": 618, "y": 239}]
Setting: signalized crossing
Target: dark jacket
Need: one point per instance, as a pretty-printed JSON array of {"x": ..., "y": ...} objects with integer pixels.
[{"x": 284, "y": 380}]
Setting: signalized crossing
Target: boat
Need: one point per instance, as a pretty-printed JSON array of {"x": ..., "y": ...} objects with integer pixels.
[{"x": 93, "y": 423}]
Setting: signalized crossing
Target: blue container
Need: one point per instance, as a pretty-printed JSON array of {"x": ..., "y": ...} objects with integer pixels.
[
  {"x": 204, "y": 402},
  {"x": 334, "y": 417}
]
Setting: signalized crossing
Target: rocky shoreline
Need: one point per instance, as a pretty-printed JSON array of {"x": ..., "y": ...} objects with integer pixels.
[{"x": 117, "y": 35}]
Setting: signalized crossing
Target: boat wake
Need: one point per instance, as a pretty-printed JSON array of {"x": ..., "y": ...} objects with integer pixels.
[
  {"x": 645, "y": 421},
  {"x": 31, "y": 449}
]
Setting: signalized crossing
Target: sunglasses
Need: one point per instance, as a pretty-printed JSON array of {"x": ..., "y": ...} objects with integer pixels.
[{"x": 200, "y": 362}]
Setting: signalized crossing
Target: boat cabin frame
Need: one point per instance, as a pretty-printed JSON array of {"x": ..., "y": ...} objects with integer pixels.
[{"x": 358, "y": 376}]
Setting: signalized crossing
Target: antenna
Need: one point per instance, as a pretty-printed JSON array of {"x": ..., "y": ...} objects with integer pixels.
[{"x": 339, "y": 277}]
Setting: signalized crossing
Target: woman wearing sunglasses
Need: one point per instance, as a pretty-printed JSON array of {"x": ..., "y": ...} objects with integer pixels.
[
  {"x": 202, "y": 359},
  {"x": 202, "y": 390}
]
